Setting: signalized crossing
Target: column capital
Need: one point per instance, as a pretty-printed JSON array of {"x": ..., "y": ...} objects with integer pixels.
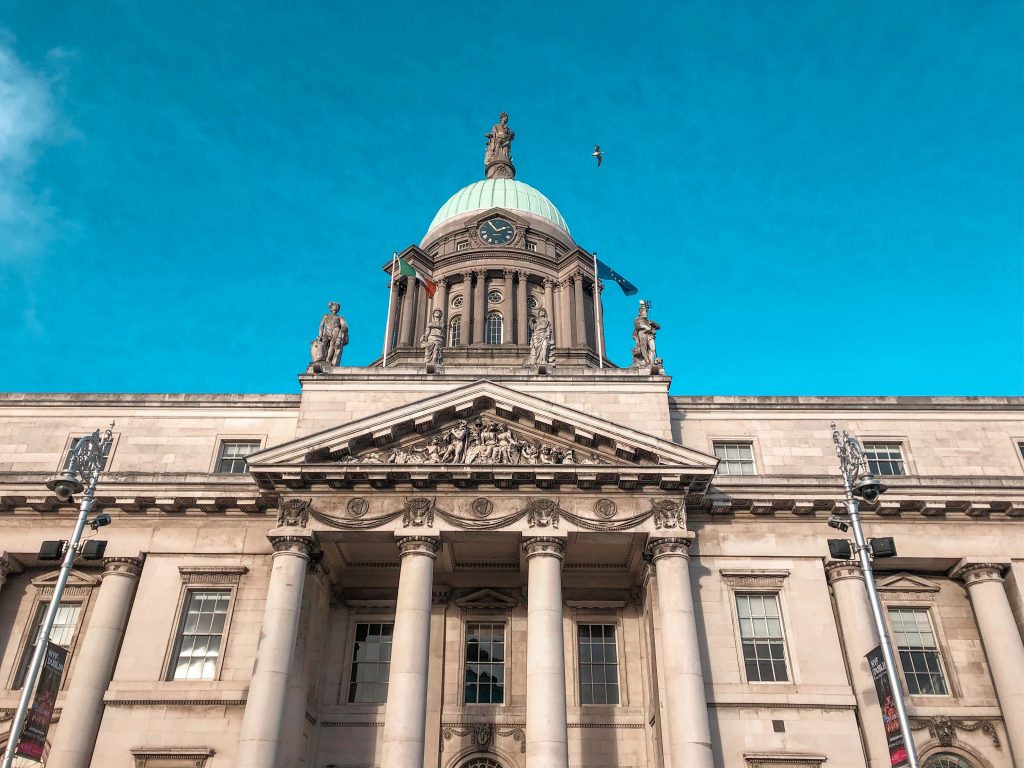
[
  {"x": 544, "y": 545},
  {"x": 972, "y": 572},
  {"x": 123, "y": 566},
  {"x": 293, "y": 543},
  {"x": 419, "y": 545},
  {"x": 837, "y": 570},
  {"x": 669, "y": 546}
]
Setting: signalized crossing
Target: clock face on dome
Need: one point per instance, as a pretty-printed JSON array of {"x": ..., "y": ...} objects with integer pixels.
[{"x": 497, "y": 232}]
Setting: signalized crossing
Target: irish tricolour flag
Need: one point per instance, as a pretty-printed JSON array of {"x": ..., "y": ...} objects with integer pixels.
[{"x": 407, "y": 269}]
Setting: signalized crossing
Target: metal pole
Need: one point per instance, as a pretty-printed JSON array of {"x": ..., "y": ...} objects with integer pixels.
[
  {"x": 597, "y": 316},
  {"x": 391, "y": 298},
  {"x": 51, "y": 613},
  {"x": 851, "y": 457}
]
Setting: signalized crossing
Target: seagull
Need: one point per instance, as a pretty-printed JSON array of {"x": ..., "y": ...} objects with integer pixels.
[{"x": 598, "y": 154}]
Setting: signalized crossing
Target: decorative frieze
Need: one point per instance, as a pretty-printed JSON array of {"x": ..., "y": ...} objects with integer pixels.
[
  {"x": 211, "y": 574},
  {"x": 196, "y": 757},
  {"x": 483, "y": 734},
  {"x": 754, "y": 578},
  {"x": 944, "y": 728}
]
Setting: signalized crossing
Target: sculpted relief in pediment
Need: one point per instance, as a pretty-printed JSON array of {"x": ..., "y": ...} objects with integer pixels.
[{"x": 480, "y": 440}]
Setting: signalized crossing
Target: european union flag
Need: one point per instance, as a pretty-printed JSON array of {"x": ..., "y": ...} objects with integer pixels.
[{"x": 607, "y": 273}]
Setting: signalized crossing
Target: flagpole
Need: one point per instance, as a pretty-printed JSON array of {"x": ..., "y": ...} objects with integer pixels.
[
  {"x": 391, "y": 299},
  {"x": 597, "y": 316}
]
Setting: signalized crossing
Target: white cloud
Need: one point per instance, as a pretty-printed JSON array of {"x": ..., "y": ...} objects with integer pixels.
[{"x": 28, "y": 123}]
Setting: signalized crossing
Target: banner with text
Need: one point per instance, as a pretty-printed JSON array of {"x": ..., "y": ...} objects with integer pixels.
[
  {"x": 898, "y": 756},
  {"x": 33, "y": 738}
]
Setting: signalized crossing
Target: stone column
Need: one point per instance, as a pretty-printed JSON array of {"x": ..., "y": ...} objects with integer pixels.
[
  {"x": 268, "y": 688},
  {"x": 406, "y": 315},
  {"x": 549, "y": 305},
  {"x": 422, "y": 312},
  {"x": 579, "y": 315},
  {"x": 441, "y": 301},
  {"x": 687, "y": 732},
  {"x": 547, "y": 732},
  {"x": 508, "y": 331},
  {"x": 522, "y": 311},
  {"x": 101, "y": 641},
  {"x": 479, "y": 306},
  {"x": 859, "y": 635},
  {"x": 467, "y": 308},
  {"x": 406, "y": 713},
  {"x": 1003, "y": 647}
]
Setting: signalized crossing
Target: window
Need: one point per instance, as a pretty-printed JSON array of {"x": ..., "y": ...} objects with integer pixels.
[
  {"x": 1020, "y": 447},
  {"x": 231, "y": 460},
  {"x": 62, "y": 633},
  {"x": 532, "y": 302},
  {"x": 371, "y": 664},
  {"x": 67, "y": 456},
  {"x": 485, "y": 664},
  {"x": 764, "y": 648},
  {"x": 197, "y": 649},
  {"x": 735, "y": 458},
  {"x": 455, "y": 332},
  {"x": 946, "y": 760},
  {"x": 495, "y": 297},
  {"x": 461, "y": 246},
  {"x": 457, "y": 301},
  {"x": 919, "y": 653},
  {"x": 598, "y": 664},
  {"x": 493, "y": 328},
  {"x": 884, "y": 458},
  {"x": 531, "y": 246}
]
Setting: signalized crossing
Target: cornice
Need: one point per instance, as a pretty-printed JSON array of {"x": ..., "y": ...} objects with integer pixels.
[
  {"x": 826, "y": 403},
  {"x": 129, "y": 400}
]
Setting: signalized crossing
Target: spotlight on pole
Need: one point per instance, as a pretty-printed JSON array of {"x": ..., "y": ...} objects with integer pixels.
[
  {"x": 93, "y": 549},
  {"x": 52, "y": 550},
  {"x": 883, "y": 547},
  {"x": 838, "y": 523},
  {"x": 840, "y": 549}
]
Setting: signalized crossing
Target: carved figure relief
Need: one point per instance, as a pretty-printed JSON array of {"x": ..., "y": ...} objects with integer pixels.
[
  {"x": 482, "y": 441},
  {"x": 294, "y": 513}
]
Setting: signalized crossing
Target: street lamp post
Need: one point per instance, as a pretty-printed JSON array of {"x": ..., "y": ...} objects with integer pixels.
[
  {"x": 858, "y": 481},
  {"x": 88, "y": 458}
]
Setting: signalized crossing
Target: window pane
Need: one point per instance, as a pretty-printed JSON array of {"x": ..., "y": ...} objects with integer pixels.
[
  {"x": 62, "y": 633},
  {"x": 761, "y": 634},
  {"x": 231, "y": 459},
  {"x": 885, "y": 458},
  {"x": 485, "y": 664},
  {"x": 201, "y": 635},
  {"x": 918, "y": 651},
  {"x": 371, "y": 664},
  {"x": 598, "y": 669},
  {"x": 735, "y": 458}
]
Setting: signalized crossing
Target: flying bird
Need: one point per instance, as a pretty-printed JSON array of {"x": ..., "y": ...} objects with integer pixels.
[{"x": 598, "y": 154}]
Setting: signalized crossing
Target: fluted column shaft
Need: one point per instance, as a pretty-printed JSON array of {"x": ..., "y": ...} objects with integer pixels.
[
  {"x": 422, "y": 311},
  {"x": 268, "y": 688},
  {"x": 406, "y": 713},
  {"x": 507, "y": 332},
  {"x": 579, "y": 316},
  {"x": 80, "y": 718},
  {"x": 406, "y": 314},
  {"x": 1003, "y": 646},
  {"x": 547, "y": 731},
  {"x": 522, "y": 311},
  {"x": 859, "y": 637},
  {"x": 441, "y": 300},
  {"x": 549, "y": 305},
  {"x": 479, "y": 306},
  {"x": 688, "y": 732}
]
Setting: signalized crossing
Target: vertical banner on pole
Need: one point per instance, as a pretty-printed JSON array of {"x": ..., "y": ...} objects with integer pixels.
[
  {"x": 894, "y": 735},
  {"x": 33, "y": 738}
]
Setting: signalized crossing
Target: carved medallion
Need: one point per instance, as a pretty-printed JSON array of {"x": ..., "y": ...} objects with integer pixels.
[
  {"x": 604, "y": 509},
  {"x": 357, "y": 507},
  {"x": 482, "y": 507}
]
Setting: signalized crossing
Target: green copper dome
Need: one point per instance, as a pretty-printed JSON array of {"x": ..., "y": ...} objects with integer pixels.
[{"x": 498, "y": 193}]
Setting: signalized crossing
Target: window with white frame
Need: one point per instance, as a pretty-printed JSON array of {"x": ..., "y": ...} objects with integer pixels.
[
  {"x": 885, "y": 458},
  {"x": 493, "y": 328},
  {"x": 598, "y": 664},
  {"x": 461, "y": 246},
  {"x": 197, "y": 648},
  {"x": 485, "y": 664},
  {"x": 735, "y": 458},
  {"x": 371, "y": 663},
  {"x": 455, "y": 331},
  {"x": 62, "y": 633},
  {"x": 231, "y": 458},
  {"x": 764, "y": 646},
  {"x": 918, "y": 650},
  {"x": 457, "y": 301}
]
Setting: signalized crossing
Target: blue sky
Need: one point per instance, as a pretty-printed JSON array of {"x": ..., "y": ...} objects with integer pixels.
[{"x": 819, "y": 197}]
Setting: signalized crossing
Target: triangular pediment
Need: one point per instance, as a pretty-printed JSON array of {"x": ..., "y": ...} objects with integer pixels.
[
  {"x": 486, "y": 599},
  {"x": 906, "y": 582},
  {"x": 483, "y": 427}
]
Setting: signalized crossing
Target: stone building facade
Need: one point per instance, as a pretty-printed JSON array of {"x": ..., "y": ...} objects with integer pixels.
[{"x": 502, "y": 565}]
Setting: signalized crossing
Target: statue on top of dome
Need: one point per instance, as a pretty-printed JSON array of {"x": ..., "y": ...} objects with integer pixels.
[{"x": 498, "y": 155}]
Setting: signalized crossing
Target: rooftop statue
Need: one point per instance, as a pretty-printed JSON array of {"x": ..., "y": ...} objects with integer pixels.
[
  {"x": 498, "y": 155},
  {"x": 644, "y": 330},
  {"x": 542, "y": 343},
  {"x": 331, "y": 337},
  {"x": 432, "y": 339}
]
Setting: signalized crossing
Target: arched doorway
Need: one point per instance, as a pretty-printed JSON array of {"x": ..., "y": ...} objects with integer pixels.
[{"x": 481, "y": 762}]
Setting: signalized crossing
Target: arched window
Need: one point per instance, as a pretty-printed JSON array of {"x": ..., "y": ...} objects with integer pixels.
[
  {"x": 455, "y": 331},
  {"x": 946, "y": 760},
  {"x": 482, "y": 762},
  {"x": 493, "y": 329}
]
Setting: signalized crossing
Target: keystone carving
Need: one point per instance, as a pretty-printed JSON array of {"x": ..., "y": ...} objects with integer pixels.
[
  {"x": 418, "y": 512},
  {"x": 541, "y": 513},
  {"x": 668, "y": 513},
  {"x": 293, "y": 513}
]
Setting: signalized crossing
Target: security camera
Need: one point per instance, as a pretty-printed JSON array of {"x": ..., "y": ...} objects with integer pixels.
[
  {"x": 868, "y": 487},
  {"x": 99, "y": 521},
  {"x": 64, "y": 485},
  {"x": 838, "y": 523}
]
